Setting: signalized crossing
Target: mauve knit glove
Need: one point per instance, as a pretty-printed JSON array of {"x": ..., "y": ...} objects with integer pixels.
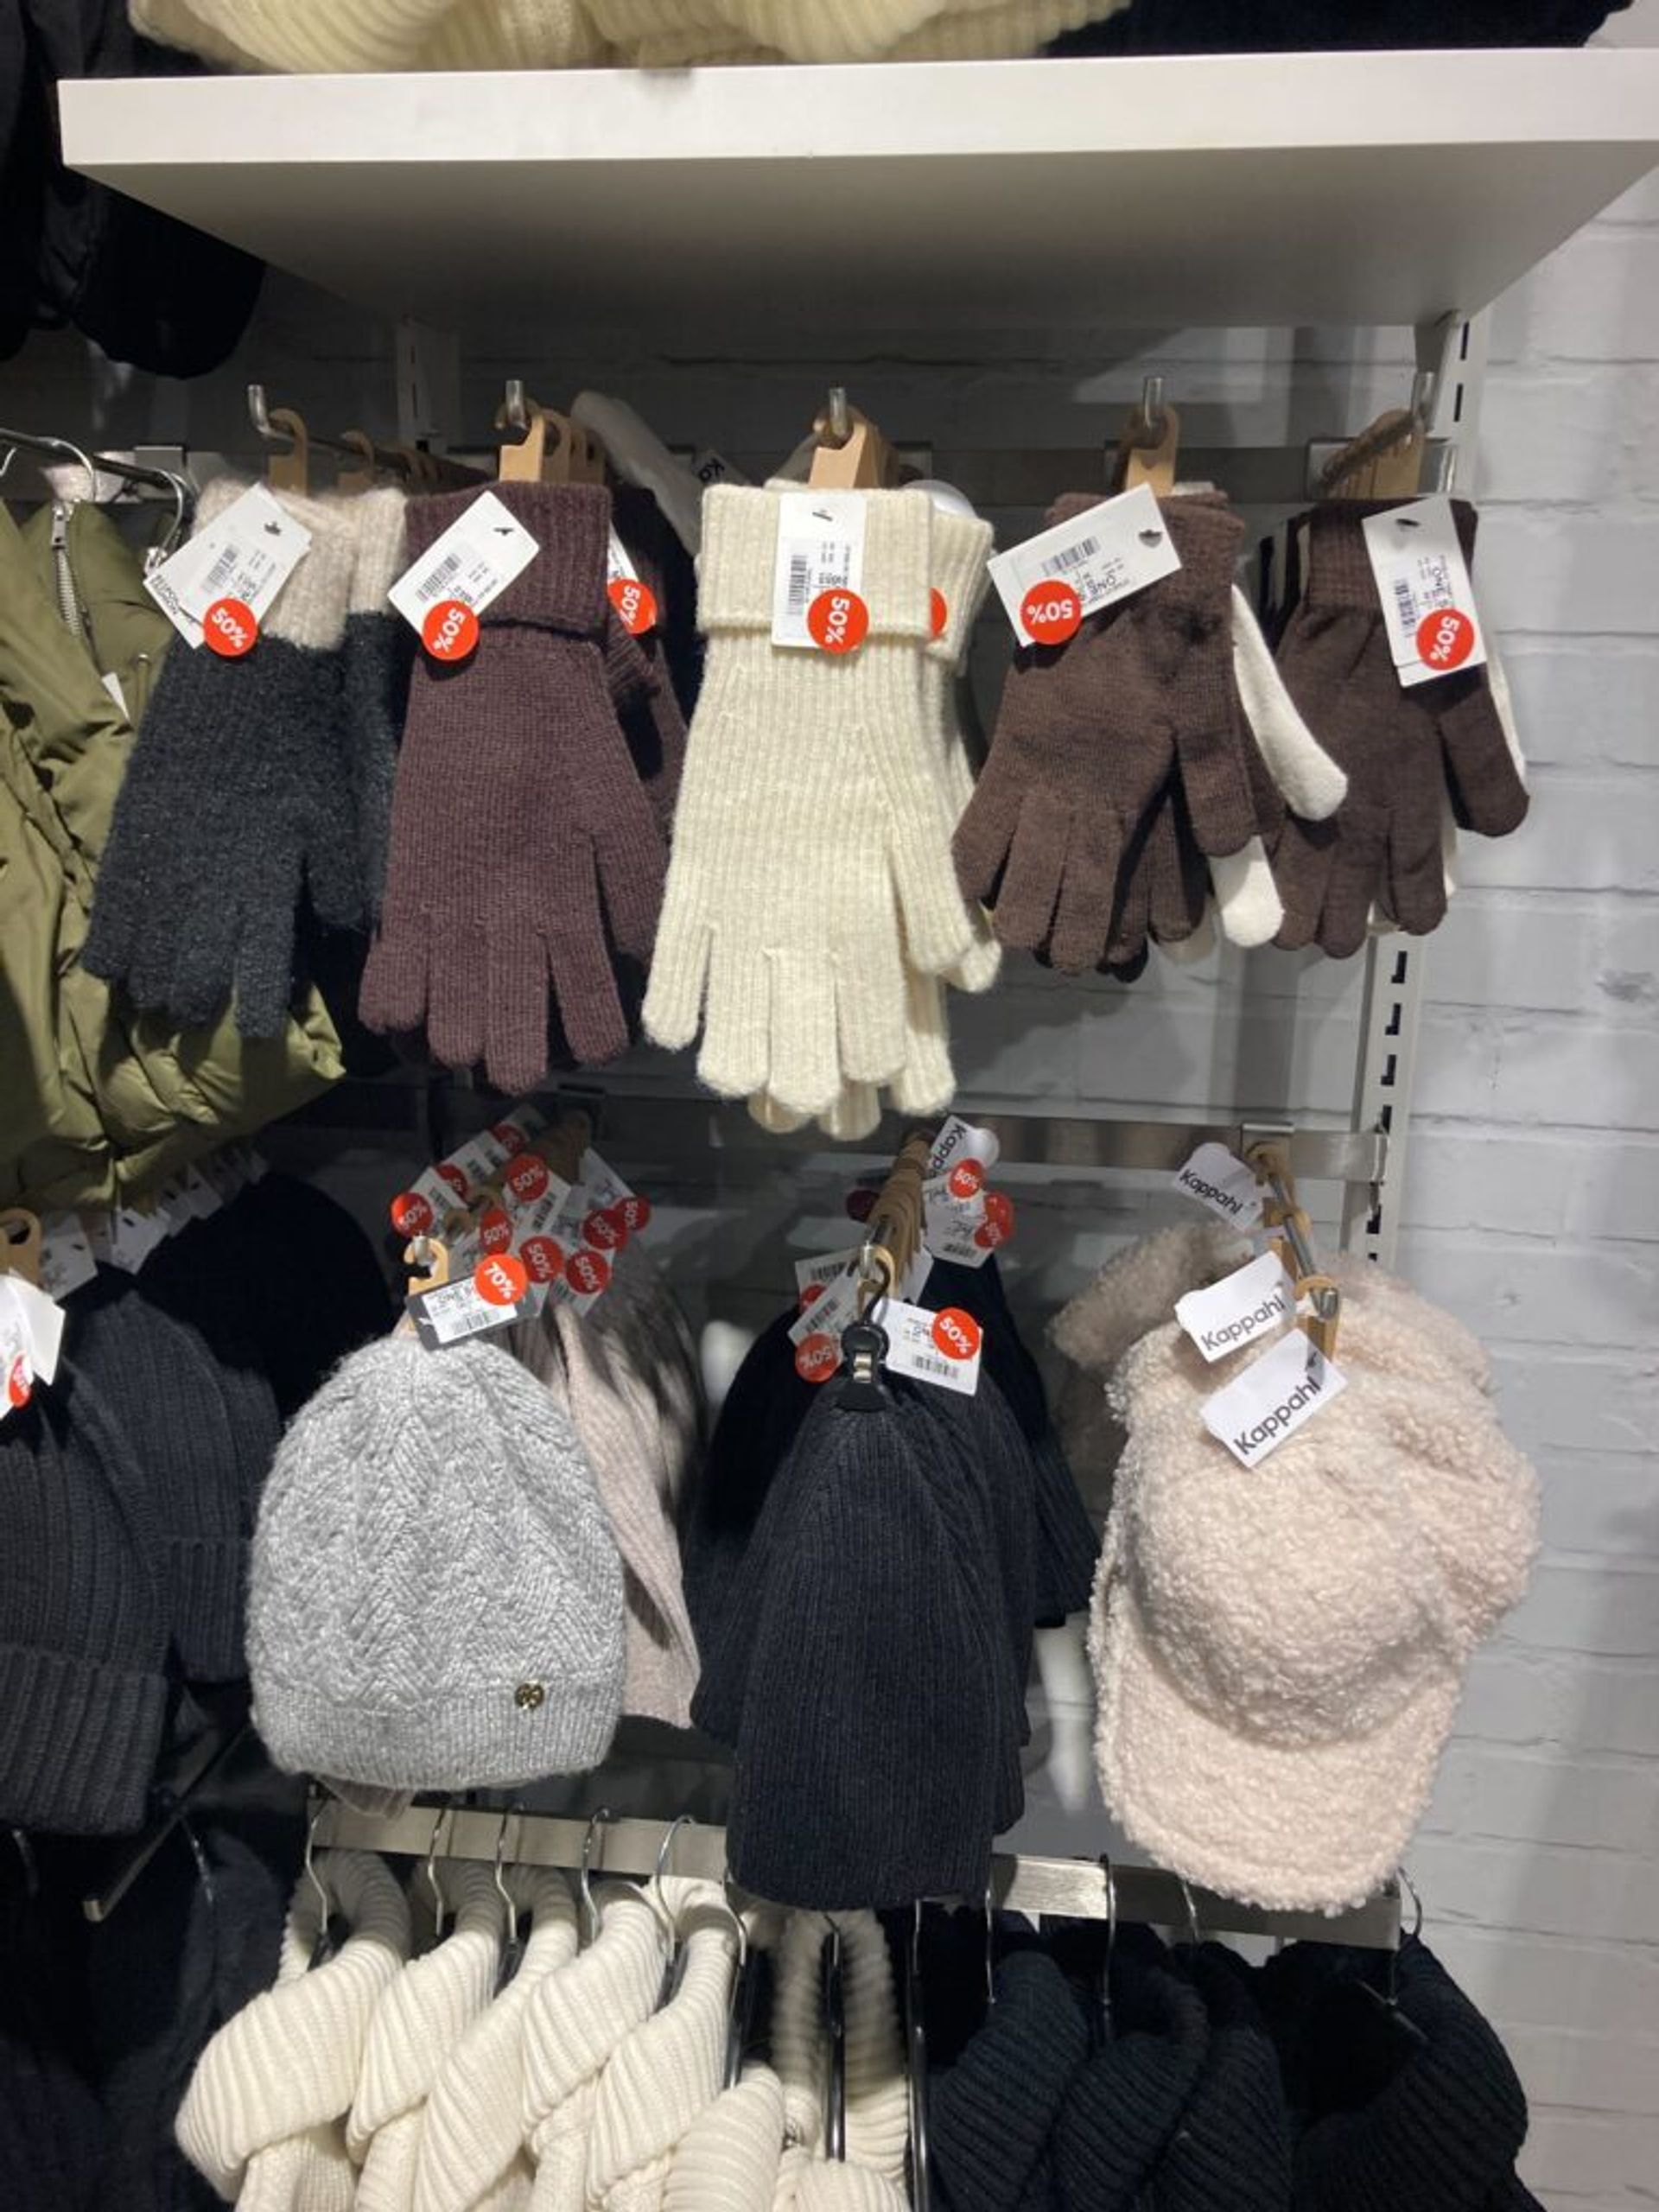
[
  {"x": 1406, "y": 751},
  {"x": 523, "y": 844},
  {"x": 1089, "y": 735},
  {"x": 233, "y": 805},
  {"x": 811, "y": 845}
]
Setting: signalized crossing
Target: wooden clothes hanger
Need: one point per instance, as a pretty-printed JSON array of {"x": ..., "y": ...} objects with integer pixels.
[
  {"x": 852, "y": 454},
  {"x": 554, "y": 449},
  {"x": 20, "y": 1244},
  {"x": 1385, "y": 461},
  {"x": 1149, "y": 444}
]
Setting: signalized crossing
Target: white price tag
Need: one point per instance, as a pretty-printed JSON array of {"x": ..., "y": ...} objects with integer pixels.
[
  {"x": 1052, "y": 582},
  {"x": 820, "y": 550},
  {"x": 942, "y": 1349},
  {"x": 134, "y": 1236},
  {"x": 819, "y": 1273},
  {"x": 1224, "y": 1183},
  {"x": 833, "y": 1310},
  {"x": 1254, "y": 1299},
  {"x": 68, "y": 1260},
  {"x": 16, "y": 1350},
  {"x": 1423, "y": 584},
  {"x": 959, "y": 1140},
  {"x": 473, "y": 561},
  {"x": 455, "y": 1311},
  {"x": 1275, "y": 1396},
  {"x": 247, "y": 555}
]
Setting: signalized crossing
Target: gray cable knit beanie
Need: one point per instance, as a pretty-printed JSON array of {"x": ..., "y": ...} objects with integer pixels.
[{"x": 435, "y": 1601}]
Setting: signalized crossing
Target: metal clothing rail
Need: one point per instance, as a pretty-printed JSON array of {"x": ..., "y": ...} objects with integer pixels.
[{"x": 1073, "y": 1889}]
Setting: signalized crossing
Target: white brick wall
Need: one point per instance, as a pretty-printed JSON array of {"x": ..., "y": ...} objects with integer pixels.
[{"x": 1532, "y": 1207}]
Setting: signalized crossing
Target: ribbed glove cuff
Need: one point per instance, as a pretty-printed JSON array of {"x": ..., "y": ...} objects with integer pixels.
[
  {"x": 378, "y": 520},
  {"x": 564, "y": 587},
  {"x": 1339, "y": 574},
  {"x": 740, "y": 549},
  {"x": 961, "y": 547}
]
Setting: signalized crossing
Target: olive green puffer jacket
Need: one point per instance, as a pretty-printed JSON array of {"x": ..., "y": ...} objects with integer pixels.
[{"x": 97, "y": 1104}]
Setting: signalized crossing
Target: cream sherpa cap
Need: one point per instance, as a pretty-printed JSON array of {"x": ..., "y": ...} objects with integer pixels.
[{"x": 1279, "y": 1653}]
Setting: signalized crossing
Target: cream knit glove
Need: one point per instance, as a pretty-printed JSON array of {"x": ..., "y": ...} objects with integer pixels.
[
  {"x": 927, "y": 1081},
  {"x": 264, "y": 2105},
  {"x": 303, "y": 37},
  {"x": 811, "y": 847}
]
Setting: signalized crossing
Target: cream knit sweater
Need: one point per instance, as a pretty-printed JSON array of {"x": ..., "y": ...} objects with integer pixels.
[
  {"x": 324, "y": 35},
  {"x": 261, "y": 2117},
  {"x": 420, "y": 2020}
]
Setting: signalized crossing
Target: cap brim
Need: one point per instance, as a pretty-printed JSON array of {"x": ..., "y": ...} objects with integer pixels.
[{"x": 1305, "y": 1829}]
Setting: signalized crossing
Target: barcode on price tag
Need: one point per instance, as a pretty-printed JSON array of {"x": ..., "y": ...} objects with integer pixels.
[
  {"x": 1106, "y": 553},
  {"x": 820, "y": 548},
  {"x": 455, "y": 1312},
  {"x": 1424, "y": 588},
  {"x": 942, "y": 1349},
  {"x": 247, "y": 554},
  {"x": 473, "y": 561}
]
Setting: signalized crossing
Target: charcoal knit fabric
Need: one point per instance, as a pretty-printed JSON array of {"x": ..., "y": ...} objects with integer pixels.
[
  {"x": 83, "y": 1631},
  {"x": 1127, "y": 2102},
  {"x": 1288, "y": 26},
  {"x": 991, "y": 2115},
  {"x": 514, "y": 771},
  {"x": 435, "y": 1601},
  {"x": 1231, "y": 2152},
  {"x": 868, "y": 1743},
  {"x": 377, "y": 655},
  {"x": 231, "y": 809},
  {"x": 162, "y": 1390},
  {"x": 1435, "y": 2124}
]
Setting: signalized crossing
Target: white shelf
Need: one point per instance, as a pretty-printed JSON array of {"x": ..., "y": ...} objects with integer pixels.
[{"x": 1248, "y": 189}]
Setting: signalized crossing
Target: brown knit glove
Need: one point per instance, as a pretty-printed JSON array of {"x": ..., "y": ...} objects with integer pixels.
[
  {"x": 1088, "y": 736},
  {"x": 523, "y": 843},
  {"x": 1408, "y": 752}
]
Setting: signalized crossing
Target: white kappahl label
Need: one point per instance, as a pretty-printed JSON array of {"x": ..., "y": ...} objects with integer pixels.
[
  {"x": 1217, "y": 1179},
  {"x": 957, "y": 1140},
  {"x": 1423, "y": 581},
  {"x": 619, "y": 562},
  {"x": 247, "y": 555},
  {"x": 473, "y": 561},
  {"x": 1274, "y": 1397},
  {"x": 1106, "y": 553},
  {"x": 942, "y": 1349},
  {"x": 67, "y": 1259},
  {"x": 455, "y": 1311},
  {"x": 820, "y": 548},
  {"x": 1245, "y": 1304}
]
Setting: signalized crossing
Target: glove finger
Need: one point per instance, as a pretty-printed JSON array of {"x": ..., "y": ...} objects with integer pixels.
[
  {"x": 391, "y": 998},
  {"x": 1093, "y": 856},
  {"x": 1414, "y": 889},
  {"x": 765, "y": 1109},
  {"x": 265, "y": 964},
  {"x": 333, "y": 862},
  {"x": 806, "y": 1072},
  {"x": 1487, "y": 793},
  {"x": 630, "y": 859},
  {"x": 869, "y": 992},
  {"x": 584, "y": 983},
  {"x": 980, "y": 843},
  {"x": 1178, "y": 882},
  {"x": 736, "y": 1056},
  {"x": 679, "y": 966},
  {"x": 856, "y": 1114},
  {"x": 980, "y": 966},
  {"x": 939, "y": 927},
  {"x": 1216, "y": 782},
  {"x": 516, "y": 1004},
  {"x": 926, "y": 1083},
  {"x": 1129, "y": 933},
  {"x": 1302, "y": 860},
  {"x": 1252, "y": 912},
  {"x": 1031, "y": 881},
  {"x": 457, "y": 997},
  {"x": 240, "y": 945},
  {"x": 1355, "y": 881}
]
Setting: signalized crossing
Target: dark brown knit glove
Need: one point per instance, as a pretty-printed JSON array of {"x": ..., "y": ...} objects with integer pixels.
[
  {"x": 1408, "y": 754},
  {"x": 1088, "y": 737},
  {"x": 524, "y": 846}
]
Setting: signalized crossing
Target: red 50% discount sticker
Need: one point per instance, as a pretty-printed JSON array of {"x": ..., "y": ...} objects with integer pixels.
[
  {"x": 635, "y": 604},
  {"x": 1051, "y": 613},
  {"x": 543, "y": 1257},
  {"x": 998, "y": 1224},
  {"x": 839, "y": 621},
  {"x": 817, "y": 1356},
  {"x": 588, "y": 1272},
  {"x": 451, "y": 631},
  {"x": 1444, "y": 640},
  {"x": 957, "y": 1334},
  {"x": 230, "y": 627}
]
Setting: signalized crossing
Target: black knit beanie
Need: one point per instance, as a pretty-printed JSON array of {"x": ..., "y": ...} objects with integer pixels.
[
  {"x": 83, "y": 1637},
  {"x": 1231, "y": 2151},
  {"x": 1402, "y": 2122},
  {"x": 164, "y": 1392},
  {"x": 867, "y": 1747},
  {"x": 991, "y": 2115},
  {"x": 1127, "y": 2099},
  {"x": 1288, "y": 26}
]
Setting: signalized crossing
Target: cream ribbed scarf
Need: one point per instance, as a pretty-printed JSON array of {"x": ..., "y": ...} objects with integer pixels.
[
  {"x": 473, "y": 2143},
  {"x": 262, "y": 2116},
  {"x": 418, "y": 2021},
  {"x": 669, "y": 2070},
  {"x": 728, "y": 2159},
  {"x": 574, "y": 2021}
]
